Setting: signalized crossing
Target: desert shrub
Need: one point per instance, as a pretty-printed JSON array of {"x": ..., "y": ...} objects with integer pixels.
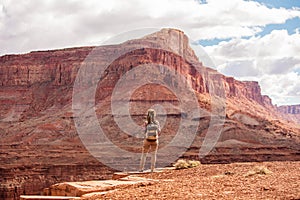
[
  {"x": 184, "y": 164},
  {"x": 259, "y": 170},
  {"x": 181, "y": 164},
  {"x": 193, "y": 163}
]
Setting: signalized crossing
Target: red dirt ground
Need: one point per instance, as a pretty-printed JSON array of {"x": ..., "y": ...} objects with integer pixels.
[{"x": 219, "y": 181}]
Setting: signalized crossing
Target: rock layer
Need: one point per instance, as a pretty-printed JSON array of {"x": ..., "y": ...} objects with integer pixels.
[
  {"x": 291, "y": 112},
  {"x": 39, "y": 141}
]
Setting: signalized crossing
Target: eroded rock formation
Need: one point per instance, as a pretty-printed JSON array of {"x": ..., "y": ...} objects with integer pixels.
[{"x": 39, "y": 141}]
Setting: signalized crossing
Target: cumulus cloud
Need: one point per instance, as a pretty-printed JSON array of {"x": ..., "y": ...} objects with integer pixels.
[
  {"x": 279, "y": 65},
  {"x": 282, "y": 88},
  {"x": 273, "y": 60},
  {"x": 233, "y": 68},
  {"x": 30, "y": 24}
]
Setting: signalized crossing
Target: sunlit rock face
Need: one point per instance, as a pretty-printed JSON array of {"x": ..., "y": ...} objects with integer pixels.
[{"x": 40, "y": 144}]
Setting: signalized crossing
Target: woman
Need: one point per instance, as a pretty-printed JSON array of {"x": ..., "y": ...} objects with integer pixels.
[{"x": 152, "y": 130}]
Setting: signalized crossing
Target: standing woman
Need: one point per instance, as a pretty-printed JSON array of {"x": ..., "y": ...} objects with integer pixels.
[{"x": 152, "y": 130}]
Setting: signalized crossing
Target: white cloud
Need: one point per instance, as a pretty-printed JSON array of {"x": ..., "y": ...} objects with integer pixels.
[
  {"x": 283, "y": 88},
  {"x": 273, "y": 60},
  {"x": 276, "y": 44},
  {"x": 235, "y": 18},
  {"x": 279, "y": 65},
  {"x": 233, "y": 68},
  {"x": 30, "y": 24}
]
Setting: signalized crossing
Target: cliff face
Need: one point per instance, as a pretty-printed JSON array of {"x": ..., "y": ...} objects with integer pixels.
[
  {"x": 58, "y": 68},
  {"x": 293, "y": 109},
  {"x": 37, "y": 121},
  {"x": 248, "y": 89},
  {"x": 34, "y": 82},
  {"x": 291, "y": 112}
]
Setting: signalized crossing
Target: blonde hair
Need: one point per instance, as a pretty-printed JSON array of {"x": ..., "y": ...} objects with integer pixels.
[{"x": 151, "y": 116}]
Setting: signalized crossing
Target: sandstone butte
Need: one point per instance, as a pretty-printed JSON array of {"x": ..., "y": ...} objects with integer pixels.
[{"x": 39, "y": 142}]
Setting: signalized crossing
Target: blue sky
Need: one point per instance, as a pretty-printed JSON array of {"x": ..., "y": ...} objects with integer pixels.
[
  {"x": 290, "y": 25},
  {"x": 280, "y": 3}
]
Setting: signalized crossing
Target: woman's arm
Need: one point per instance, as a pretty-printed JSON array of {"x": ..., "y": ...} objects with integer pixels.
[{"x": 159, "y": 130}]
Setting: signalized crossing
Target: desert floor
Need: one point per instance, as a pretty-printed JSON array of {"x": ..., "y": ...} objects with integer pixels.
[{"x": 267, "y": 180}]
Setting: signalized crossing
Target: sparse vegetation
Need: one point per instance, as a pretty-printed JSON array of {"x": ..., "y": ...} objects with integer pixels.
[
  {"x": 258, "y": 170},
  {"x": 184, "y": 164}
]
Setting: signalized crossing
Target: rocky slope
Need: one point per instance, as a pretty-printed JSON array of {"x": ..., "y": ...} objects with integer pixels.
[{"x": 39, "y": 121}]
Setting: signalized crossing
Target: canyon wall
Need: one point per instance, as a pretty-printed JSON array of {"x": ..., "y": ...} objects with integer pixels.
[
  {"x": 291, "y": 112},
  {"x": 39, "y": 141},
  {"x": 292, "y": 109}
]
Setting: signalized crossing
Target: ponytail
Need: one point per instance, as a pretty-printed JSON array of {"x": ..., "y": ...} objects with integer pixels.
[{"x": 150, "y": 116}]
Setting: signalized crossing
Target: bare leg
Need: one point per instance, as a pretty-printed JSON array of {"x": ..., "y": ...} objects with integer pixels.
[
  {"x": 154, "y": 147},
  {"x": 153, "y": 161},
  {"x": 143, "y": 160},
  {"x": 146, "y": 148}
]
